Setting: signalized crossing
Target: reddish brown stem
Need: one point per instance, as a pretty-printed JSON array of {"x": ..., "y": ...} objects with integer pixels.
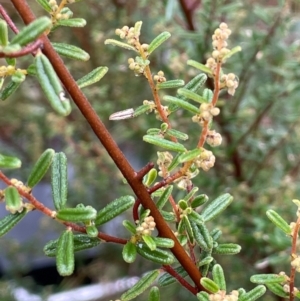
[
  {"x": 24, "y": 51},
  {"x": 135, "y": 208},
  {"x": 110, "y": 145},
  {"x": 8, "y": 20},
  {"x": 144, "y": 170}
]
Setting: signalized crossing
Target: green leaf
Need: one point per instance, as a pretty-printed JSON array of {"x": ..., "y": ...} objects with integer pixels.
[
  {"x": 32, "y": 31},
  {"x": 51, "y": 85},
  {"x": 196, "y": 217},
  {"x": 218, "y": 277},
  {"x": 215, "y": 207},
  {"x": 129, "y": 226},
  {"x": 149, "y": 241},
  {"x": 268, "y": 278},
  {"x": 9, "y": 162},
  {"x": 163, "y": 242},
  {"x": 277, "y": 289},
  {"x": 92, "y": 231},
  {"x": 150, "y": 177},
  {"x": 114, "y": 209},
  {"x": 78, "y": 214},
  {"x": 190, "y": 155},
  {"x": 141, "y": 110},
  {"x": 209, "y": 285},
  {"x": 18, "y": 77},
  {"x": 205, "y": 243},
  {"x": 144, "y": 283},
  {"x": 59, "y": 180},
  {"x": 74, "y": 22},
  {"x": 199, "y": 66},
  {"x": 9, "y": 221},
  {"x": 215, "y": 234},
  {"x": 13, "y": 200},
  {"x": 170, "y": 84},
  {"x": 199, "y": 200},
  {"x": 158, "y": 41},
  {"x": 192, "y": 95},
  {"x": 154, "y": 294},
  {"x": 40, "y": 168},
  {"x": 45, "y": 5},
  {"x": 254, "y": 294},
  {"x": 175, "y": 162},
  {"x": 181, "y": 103},
  {"x": 137, "y": 28},
  {"x": 205, "y": 261},
  {"x": 71, "y": 51},
  {"x": 65, "y": 254},
  {"x": 232, "y": 52},
  {"x": 165, "y": 144},
  {"x": 208, "y": 95},
  {"x": 158, "y": 255},
  {"x": 81, "y": 242},
  {"x": 92, "y": 77},
  {"x": 167, "y": 279},
  {"x": 3, "y": 33},
  {"x": 164, "y": 197},
  {"x": 177, "y": 134},
  {"x": 203, "y": 296},
  {"x": 278, "y": 221},
  {"x": 129, "y": 252},
  {"x": 188, "y": 229},
  {"x": 9, "y": 89},
  {"x": 119, "y": 44},
  {"x": 227, "y": 249}
]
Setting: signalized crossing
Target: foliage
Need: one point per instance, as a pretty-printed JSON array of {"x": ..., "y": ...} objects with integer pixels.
[{"x": 194, "y": 115}]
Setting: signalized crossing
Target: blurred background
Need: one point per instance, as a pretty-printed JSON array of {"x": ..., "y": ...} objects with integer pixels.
[{"x": 258, "y": 161}]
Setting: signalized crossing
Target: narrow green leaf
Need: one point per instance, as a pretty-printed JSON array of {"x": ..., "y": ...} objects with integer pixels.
[
  {"x": 9, "y": 162},
  {"x": 196, "y": 217},
  {"x": 158, "y": 41},
  {"x": 254, "y": 294},
  {"x": 277, "y": 289},
  {"x": 141, "y": 110},
  {"x": 18, "y": 77},
  {"x": 114, "y": 209},
  {"x": 158, "y": 255},
  {"x": 9, "y": 221},
  {"x": 9, "y": 89},
  {"x": 232, "y": 52},
  {"x": 3, "y": 33},
  {"x": 191, "y": 95},
  {"x": 32, "y": 31},
  {"x": 278, "y": 221},
  {"x": 11, "y": 61},
  {"x": 13, "y": 200},
  {"x": 170, "y": 84},
  {"x": 149, "y": 241},
  {"x": 218, "y": 277},
  {"x": 92, "y": 231},
  {"x": 215, "y": 234},
  {"x": 188, "y": 229},
  {"x": 205, "y": 261},
  {"x": 129, "y": 252},
  {"x": 199, "y": 66},
  {"x": 209, "y": 285},
  {"x": 150, "y": 177},
  {"x": 268, "y": 278},
  {"x": 191, "y": 194},
  {"x": 190, "y": 155},
  {"x": 71, "y": 51},
  {"x": 144, "y": 283},
  {"x": 163, "y": 242},
  {"x": 215, "y": 207},
  {"x": 165, "y": 144},
  {"x": 74, "y": 22},
  {"x": 167, "y": 279},
  {"x": 129, "y": 226},
  {"x": 51, "y": 85},
  {"x": 164, "y": 197},
  {"x": 174, "y": 163},
  {"x": 154, "y": 294},
  {"x": 41, "y": 167},
  {"x": 203, "y": 242},
  {"x": 137, "y": 28},
  {"x": 92, "y": 77},
  {"x": 227, "y": 249},
  {"x": 78, "y": 214},
  {"x": 81, "y": 242},
  {"x": 208, "y": 94},
  {"x": 59, "y": 180},
  {"x": 177, "y": 134},
  {"x": 181, "y": 103},
  {"x": 65, "y": 254},
  {"x": 199, "y": 200},
  {"x": 203, "y": 296},
  {"x": 119, "y": 44},
  {"x": 45, "y": 5}
]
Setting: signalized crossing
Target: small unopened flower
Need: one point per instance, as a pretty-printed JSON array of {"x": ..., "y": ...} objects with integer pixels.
[
  {"x": 206, "y": 160},
  {"x": 159, "y": 77},
  {"x": 213, "y": 138},
  {"x": 295, "y": 263},
  {"x": 147, "y": 226},
  {"x": 164, "y": 160}
]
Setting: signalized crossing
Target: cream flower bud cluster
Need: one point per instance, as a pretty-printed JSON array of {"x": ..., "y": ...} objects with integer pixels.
[
  {"x": 207, "y": 111},
  {"x": 6, "y": 70},
  {"x": 159, "y": 77},
  {"x": 136, "y": 67},
  {"x": 19, "y": 184},
  {"x": 58, "y": 15},
  {"x": 206, "y": 160},
  {"x": 164, "y": 160},
  {"x": 230, "y": 82},
  {"x": 213, "y": 138},
  {"x": 221, "y": 296},
  {"x": 147, "y": 226},
  {"x": 295, "y": 263}
]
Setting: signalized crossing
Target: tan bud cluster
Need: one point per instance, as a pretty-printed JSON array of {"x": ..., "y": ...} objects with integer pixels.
[
  {"x": 20, "y": 184},
  {"x": 221, "y": 296},
  {"x": 147, "y": 226},
  {"x": 229, "y": 81},
  {"x": 207, "y": 111},
  {"x": 159, "y": 77},
  {"x": 133, "y": 65},
  {"x": 206, "y": 160},
  {"x": 164, "y": 160},
  {"x": 128, "y": 33},
  {"x": 295, "y": 263},
  {"x": 7, "y": 70},
  {"x": 57, "y": 15},
  {"x": 213, "y": 138}
]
